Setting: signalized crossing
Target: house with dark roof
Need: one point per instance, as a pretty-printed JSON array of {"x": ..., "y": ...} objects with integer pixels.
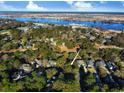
[
  {"x": 19, "y": 75},
  {"x": 110, "y": 65}
]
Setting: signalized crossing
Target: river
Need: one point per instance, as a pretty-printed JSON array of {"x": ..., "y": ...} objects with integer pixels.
[{"x": 97, "y": 24}]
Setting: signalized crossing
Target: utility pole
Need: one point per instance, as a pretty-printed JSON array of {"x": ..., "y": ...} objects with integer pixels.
[{"x": 75, "y": 57}]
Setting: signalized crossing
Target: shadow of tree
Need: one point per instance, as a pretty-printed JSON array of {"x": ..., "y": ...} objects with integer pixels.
[{"x": 82, "y": 76}]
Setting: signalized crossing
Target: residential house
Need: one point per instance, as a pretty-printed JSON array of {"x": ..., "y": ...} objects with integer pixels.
[
  {"x": 80, "y": 62},
  {"x": 37, "y": 63},
  {"x": 29, "y": 44},
  {"x": 7, "y": 38},
  {"x": 18, "y": 75},
  {"x": 49, "y": 62},
  {"x": 90, "y": 62},
  {"x": 26, "y": 67},
  {"x": 90, "y": 36},
  {"x": 24, "y": 29},
  {"x": 110, "y": 65},
  {"x": 19, "y": 44},
  {"x": 100, "y": 63},
  {"x": 90, "y": 65},
  {"x": 107, "y": 39}
]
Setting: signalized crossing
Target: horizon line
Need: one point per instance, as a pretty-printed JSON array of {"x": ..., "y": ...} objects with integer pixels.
[{"x": 71, "y": 11}]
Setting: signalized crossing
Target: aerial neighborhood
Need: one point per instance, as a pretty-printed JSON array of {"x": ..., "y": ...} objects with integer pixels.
[{"x": 50, "y": 57}]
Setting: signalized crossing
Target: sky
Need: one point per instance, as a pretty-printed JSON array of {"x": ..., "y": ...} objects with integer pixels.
[{"x": 64, "y": 6}]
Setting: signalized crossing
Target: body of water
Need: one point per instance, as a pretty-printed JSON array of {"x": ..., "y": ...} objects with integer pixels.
[{"x": 97, "y": 24}]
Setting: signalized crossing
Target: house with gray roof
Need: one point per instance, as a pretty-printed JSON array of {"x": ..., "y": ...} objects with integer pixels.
[
  {"x": 51, "y": 63},
  {"x": 26, "y": 67},
  {"x": 37, "y": 63},
  {"x": 90, "y": 62},
  {"x": 100, "y": 63},
  {"x": 80, "y": 62}
]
